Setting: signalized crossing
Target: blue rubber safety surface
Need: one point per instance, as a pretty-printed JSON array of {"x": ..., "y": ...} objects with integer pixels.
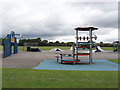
[{"x": 99, "y": 65}]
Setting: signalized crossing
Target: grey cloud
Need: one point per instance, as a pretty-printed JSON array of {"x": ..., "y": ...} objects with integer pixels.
[
  {"x": 110, "y": 21},
  {"x": 110, "y": 40},
  {"x": 50, "y": 19},
  {"x": 107, "y": 17},
  {"x": 105, "y": 6}
]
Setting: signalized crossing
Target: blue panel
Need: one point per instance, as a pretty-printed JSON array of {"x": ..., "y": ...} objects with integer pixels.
[{"x": 7, "y": 48}]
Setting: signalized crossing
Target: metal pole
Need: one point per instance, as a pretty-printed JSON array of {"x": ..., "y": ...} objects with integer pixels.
[
  {"x": 90, "y": 57},
  {"x": 77, "y": 44},
  {"x": 75, "y": 48},
  {"x": 73, "y": 51}
]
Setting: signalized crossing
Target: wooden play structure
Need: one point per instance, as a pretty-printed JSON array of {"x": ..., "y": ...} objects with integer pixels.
[{"x": 80, "y": 45}]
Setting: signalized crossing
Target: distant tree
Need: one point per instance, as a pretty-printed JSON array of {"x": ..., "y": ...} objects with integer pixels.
[
  {"x": 51, "y": 44},
  {"x": 69, "y": 43},
  {"x": 57, "y": 43},
  {"x": 101, "y": 44},
  {"x": 39, "y": 40},
  {"x": 63, "y": 44},
  {"x": 45, "y": 42}
]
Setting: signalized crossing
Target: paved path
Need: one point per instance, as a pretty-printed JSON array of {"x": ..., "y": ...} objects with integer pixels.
[{"x": 31, "y": 59}]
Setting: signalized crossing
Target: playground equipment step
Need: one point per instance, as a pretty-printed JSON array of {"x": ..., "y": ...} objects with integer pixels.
[{"x": 70, "y": 61}]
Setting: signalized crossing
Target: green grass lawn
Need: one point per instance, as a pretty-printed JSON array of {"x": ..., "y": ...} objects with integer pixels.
[
  {"x": 42, "y": 48},
  {"x": 63, "y": 48},
  {"x": 115, "y": 61},
  {"x": 30, "y": 78},
  {"x": 20, "y": 48},
  {"x": 107, "y": 48},
  {"x": 51, "y": 47}
]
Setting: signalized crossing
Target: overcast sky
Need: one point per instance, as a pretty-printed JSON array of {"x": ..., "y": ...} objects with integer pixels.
[{"x": 56, "y": 19}]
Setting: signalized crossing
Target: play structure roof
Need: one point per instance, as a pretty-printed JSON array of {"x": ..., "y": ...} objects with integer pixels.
[{"x": 85, "y": 28}]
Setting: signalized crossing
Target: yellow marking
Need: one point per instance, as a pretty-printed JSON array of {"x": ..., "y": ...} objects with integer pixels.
[{"x": 12, "y": 40}]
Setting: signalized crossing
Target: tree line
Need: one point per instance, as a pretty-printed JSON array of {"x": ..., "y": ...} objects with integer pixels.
[
  {"x": 49, "y": 43},
  {"x": 57, "y": 43},
  {"x": 44, "y": 42}
]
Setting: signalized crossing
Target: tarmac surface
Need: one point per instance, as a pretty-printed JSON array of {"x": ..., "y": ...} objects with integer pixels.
[{"x": 32, "y": 59}]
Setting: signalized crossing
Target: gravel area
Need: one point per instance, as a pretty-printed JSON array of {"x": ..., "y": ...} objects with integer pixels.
[{"x": 31, "y": 59}]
